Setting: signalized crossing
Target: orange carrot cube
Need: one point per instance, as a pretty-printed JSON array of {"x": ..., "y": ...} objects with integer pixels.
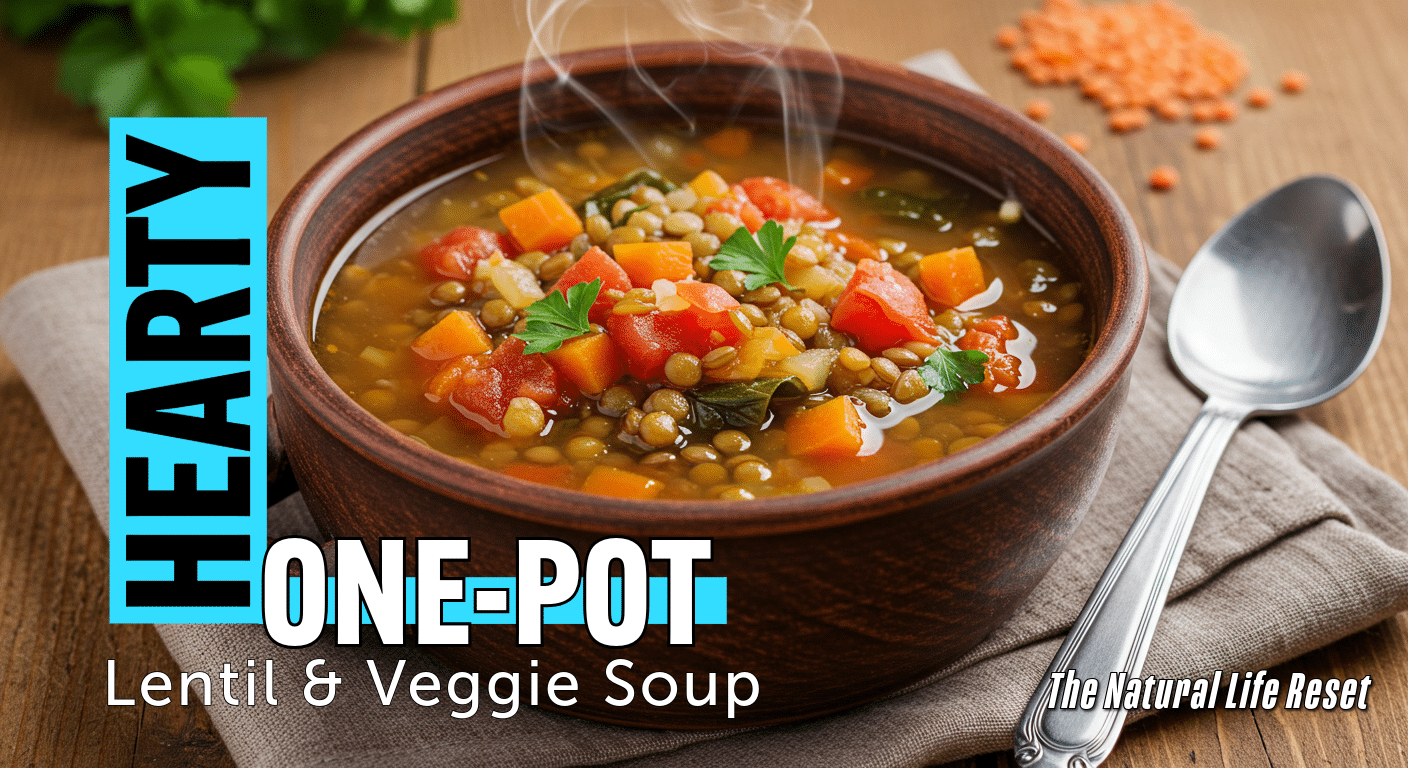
[
  {"x": 592, "y": 362},
  {"x": 833, "y": 428},
  {"x": 457, "y": 335},
  {"x": 952, "y": 277},
  {"x": 647, "y": 262},
  {"x": 543, "y": 222},
  {"x": 610, "y": 481},
  {"x": 842, "y": 175}
]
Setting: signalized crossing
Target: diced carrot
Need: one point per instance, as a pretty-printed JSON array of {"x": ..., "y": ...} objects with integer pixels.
[
  {"x": 647, "y": 262},
  {"x": 610, "y": 481},
  {"x": 842, "y": 175},
  {"x": 457, "y": 334},
  {"x": 952, "y": 277},
  {"x": 592, "y": 362},
  {"x": 543, "y": 222},
  {"x": 833, "y": 428},
  {"x": 733, "y": 142},
  {"x": 709, "y": 184},
  {"x": 854, "y": 248},
  {"x": 559, "y": 475}
]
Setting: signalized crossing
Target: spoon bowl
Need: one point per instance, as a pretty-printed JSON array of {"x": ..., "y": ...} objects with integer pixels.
[
  {"x": 1284, "y": 306},
  {"x": 1281, "y": 309}
]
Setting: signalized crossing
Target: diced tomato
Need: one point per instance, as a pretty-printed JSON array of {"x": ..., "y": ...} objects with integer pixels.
[
  {"x": 480, "y": 387},
  {"x": 997, "y": 325},
  {"x": 453, "y": 255},
  {"x": 595, "y": 264},
  {"x": 990, "y": 337},
  {"x": 778, "y": 199},
  {"x": 737, "y": 203},
  {"x": 647, "y": 341},
  {"x": 882, "y": 308},
  {"x": 709, "y": 308}
]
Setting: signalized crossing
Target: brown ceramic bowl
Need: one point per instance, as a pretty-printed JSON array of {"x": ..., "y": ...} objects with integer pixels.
[{"x": 834, "y": 598}]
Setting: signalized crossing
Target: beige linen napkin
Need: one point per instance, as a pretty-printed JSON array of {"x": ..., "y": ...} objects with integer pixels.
[{"x": 1299, "y": 543}]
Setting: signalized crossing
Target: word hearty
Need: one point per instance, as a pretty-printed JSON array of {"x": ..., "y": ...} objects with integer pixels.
[
  {"x": 187, "y": 373},
  {"x": 1245, "y": 690},
  {"x": 615, "y": 609}
]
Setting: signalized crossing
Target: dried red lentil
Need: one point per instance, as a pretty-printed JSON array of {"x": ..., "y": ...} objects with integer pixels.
[
  {"x": 1207, "y": 138},
  {"x": 1162, "y": 178},
  {"x": 1294, "y": 81},
  {"x": 1126, "y": 55},
  {"x": 1077, "y": 141},
  {"x": 1259, "y": 98},
  {"x": 1038, "y": 109}
]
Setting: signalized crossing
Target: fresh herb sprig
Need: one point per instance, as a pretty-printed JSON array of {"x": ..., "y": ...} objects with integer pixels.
[
  {"x": 557, "y": 318},
  {"x": 953, "y": 371},
  {"x": 760, "y": 260},
  {"x": 174, "y": 58}
]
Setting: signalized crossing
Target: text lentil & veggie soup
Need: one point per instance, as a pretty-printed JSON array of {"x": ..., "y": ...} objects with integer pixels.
[{"x": 704, "y": 329}]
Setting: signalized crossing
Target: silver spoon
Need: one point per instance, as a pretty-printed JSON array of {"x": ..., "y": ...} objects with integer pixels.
[{"x": 1280, "y": 310}]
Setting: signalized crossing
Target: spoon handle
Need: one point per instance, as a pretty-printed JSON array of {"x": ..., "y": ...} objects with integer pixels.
[{"x": 1113, "y": 631}]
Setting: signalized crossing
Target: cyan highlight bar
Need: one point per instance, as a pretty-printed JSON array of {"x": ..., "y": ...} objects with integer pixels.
[
  {"x": 710, "y": 602},
  {"x": 187, "y": 324}
]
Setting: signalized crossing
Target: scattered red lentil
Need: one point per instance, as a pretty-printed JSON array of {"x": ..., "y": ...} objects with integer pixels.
[
  {"x": 1129, "y": 119},
  {"x": 1077, "y": 141},
  {"x": 1038, "y": 109},
  {"x": 1204, "y": 111},
  {"x": 1171, "y": 109},
  {"x": 1126, "y": 55},
  {"x": 1207, "y": 138},
  {"x": 1294, "y": 81},
  {"x": 1259, "y": 98},
  {"x": 1225, "y": 110},
  {"x": 1162, "y": 178}
]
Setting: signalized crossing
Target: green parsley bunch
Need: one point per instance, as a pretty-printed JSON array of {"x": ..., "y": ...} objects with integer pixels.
[{"x": 174, "y": 58}]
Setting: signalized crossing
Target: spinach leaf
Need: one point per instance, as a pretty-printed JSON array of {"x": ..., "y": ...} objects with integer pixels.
[
  {"x": 743, "y": 404},
  {"x": 606, "y": 197},
  {"x": 932, "y": 211}
]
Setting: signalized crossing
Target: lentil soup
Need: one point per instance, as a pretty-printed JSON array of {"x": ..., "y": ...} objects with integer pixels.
[{"x": 704, "y": 329}]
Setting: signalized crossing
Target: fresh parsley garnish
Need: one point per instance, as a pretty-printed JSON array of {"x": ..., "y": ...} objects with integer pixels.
[
  {"x": 554, "y": 318},
  {"x": 760, "y": 260},
  {"x": 174, "y": 58},
  {"x": 953, "y": 371}
]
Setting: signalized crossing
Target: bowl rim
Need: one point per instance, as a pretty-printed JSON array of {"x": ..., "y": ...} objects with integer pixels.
[{"x": 303, "y": 379}]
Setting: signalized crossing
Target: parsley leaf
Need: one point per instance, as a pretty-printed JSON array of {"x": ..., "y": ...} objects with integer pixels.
[
  {"x": 555, "y": 318},
  {"x": 760, "y": 260},
  {"x": 951, "y": 371}
]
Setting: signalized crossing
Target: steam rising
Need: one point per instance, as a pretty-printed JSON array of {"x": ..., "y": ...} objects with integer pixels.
[{"x": 757, "y": 28}]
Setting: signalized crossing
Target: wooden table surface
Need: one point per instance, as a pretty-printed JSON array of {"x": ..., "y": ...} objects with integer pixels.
[{"x": 1352, "y": 121}]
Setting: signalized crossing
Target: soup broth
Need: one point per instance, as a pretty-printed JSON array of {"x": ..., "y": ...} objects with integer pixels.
[{"x": 904, "y": 316}]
